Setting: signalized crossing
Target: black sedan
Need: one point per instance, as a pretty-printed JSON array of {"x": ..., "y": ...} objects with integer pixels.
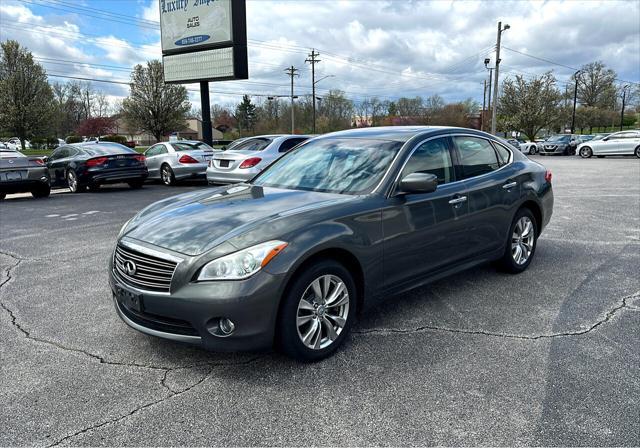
[
  {"x": 21, "y": 174},
  {"x": 83, "y": 165},
  {"x": 337, "y": 224}
]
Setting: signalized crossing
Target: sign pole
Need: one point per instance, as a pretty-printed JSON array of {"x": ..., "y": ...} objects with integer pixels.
[{"x": 207, "y": 131}]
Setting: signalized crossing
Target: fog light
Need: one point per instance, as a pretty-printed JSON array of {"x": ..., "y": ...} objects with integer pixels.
[{"x": 226, "y": 326}]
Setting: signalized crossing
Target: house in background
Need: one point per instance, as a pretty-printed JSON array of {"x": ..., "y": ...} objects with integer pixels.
[{"x": 192, "y": 132}]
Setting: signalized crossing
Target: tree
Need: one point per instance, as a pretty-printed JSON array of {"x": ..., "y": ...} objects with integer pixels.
[
  {"x": 596, "y": 86},
  {"x": 246, "y": 114},
  {"x": 529, "y": 106},
  {"x": 25, "y": 95},
  {"x": 153, "y": 106},
  {"x": 95, "y": 127},
  {"x": 337, "y": 111}
]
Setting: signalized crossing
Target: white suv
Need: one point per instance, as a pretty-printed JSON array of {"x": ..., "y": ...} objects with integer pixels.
[{"x": 617, "y": 144}]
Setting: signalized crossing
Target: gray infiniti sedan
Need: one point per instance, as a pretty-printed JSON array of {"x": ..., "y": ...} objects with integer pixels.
[
  {"x": 337, "y": 224},
  {"x": 174, "y": 161}
]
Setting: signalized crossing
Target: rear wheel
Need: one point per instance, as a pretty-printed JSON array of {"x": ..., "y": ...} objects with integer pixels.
[
  {"x": 136, "y": 185},
  {"x": 167, "y": 176},
  {"x": 317, "y": 312},
  {"x": 585, "y": 152},
  {"x": 521, "y": 245},
  {"x": 41, "y": 192},
  {"x": 72, "y": 181}
]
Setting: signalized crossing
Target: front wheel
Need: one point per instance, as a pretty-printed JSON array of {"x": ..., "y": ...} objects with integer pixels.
[
  {"x": 638, "y": 152},
  {"x": 585, "y": 152},
  {"x": 532, "y": 150},
  {"x": 317, "y": 312},
  {"x": 521, "y": 246},
  {"x": 167, "y": 176}
]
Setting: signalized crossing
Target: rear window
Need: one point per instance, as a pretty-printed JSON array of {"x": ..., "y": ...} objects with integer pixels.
[
  {"x": 250, "y": 144},
  {"x": 183, "y": 146},
  {"x": 104, "y": 150}
]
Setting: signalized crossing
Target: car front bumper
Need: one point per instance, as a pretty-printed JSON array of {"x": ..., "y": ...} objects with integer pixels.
[{"x": 191, "y": 313}]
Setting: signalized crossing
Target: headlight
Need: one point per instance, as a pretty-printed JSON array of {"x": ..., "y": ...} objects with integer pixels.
[{"x": 241, "y": 264}]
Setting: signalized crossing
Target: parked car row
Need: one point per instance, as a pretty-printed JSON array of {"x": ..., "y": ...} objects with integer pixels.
[{"x": 618, "y": 143}]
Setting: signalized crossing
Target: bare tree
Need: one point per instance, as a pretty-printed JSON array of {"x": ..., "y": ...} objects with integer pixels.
[
  {"x": 152, "y": 105},
  {"x": 596, "y": 86}
]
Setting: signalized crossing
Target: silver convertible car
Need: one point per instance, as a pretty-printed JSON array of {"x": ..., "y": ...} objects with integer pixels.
[
  {"x": 332, "y": 227},
  {"x": 245, "y": 158},
  {"x": 173, "y": 161}
]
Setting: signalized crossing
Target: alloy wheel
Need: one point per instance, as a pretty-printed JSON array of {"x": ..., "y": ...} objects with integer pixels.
[
  {"x": 585, "y": 152},
  {"x": 522, "y": 240},
  {"x": 72, "y": 180},
  {"x": 322, "y": 312}
]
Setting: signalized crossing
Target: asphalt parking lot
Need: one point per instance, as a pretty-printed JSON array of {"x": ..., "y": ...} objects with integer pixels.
[{"x": 548, "y": 357}]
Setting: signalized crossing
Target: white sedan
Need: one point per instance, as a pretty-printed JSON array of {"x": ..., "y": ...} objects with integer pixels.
[
  {"x": 528, "y": 147},
  {"x": 624, "y": 143}
]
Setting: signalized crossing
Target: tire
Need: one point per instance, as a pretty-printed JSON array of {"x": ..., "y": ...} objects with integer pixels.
[
  {"x": 42, "y": 192},
  {"x": 73, "y": 183},
  {"x": 136, "y": 185},
  {"x": 532, "y": 150},
  {"x": 167, "y": 176},
  {"x": 300, "y": 301},
  {"x": 526, "y": 241},
  {"x": 637, "y": 151},
  {"x": 586, "y": 152}
]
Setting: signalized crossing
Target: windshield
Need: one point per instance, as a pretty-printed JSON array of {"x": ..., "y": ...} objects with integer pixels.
[
  {"x": 334, "y": 165},
  {"x": 184, "y": 146},
  {"x": 559, "y": 138},
  {"x": 250, "y": 144}
]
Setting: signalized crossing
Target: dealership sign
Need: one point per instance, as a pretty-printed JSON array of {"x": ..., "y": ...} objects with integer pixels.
[{"x": 203, "y": 40}]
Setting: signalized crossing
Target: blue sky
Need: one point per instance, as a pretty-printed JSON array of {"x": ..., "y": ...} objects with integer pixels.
[{"x": 372, "y": 48}]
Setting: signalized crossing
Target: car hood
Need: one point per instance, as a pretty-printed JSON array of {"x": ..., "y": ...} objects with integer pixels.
[{"x": 194, "y": 223}]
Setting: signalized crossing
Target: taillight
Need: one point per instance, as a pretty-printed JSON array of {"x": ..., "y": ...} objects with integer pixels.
[
  {"x": 548, "y": 176},
  {"x": 186, "y": 158},
  {"x": 250, "y": 162},
  {"x": 38, "y": 161},
  {"x": 97, "y": 161},
  {"x": 140, "y": 158}
]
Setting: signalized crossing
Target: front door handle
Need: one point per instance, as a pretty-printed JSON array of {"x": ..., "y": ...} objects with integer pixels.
[
  {"x": 509, "y": 185},
  {"x": 458, "y": 200}
]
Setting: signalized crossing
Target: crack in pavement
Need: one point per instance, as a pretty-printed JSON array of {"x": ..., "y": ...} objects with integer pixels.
[
  {"x": 171, "y": 394},
  {"x": 425, "y": 328}
]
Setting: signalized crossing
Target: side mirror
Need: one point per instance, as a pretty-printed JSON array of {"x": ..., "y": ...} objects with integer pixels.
[{"x": 418, "y": 183}]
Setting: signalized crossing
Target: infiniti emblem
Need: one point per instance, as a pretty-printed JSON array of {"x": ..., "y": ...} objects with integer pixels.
[{"x": 130, "y": 267}]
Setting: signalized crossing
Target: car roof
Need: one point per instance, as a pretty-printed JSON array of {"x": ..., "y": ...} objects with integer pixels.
[
  {"x": 394, "y": 133},
  {"x": 98, "y": 145}
]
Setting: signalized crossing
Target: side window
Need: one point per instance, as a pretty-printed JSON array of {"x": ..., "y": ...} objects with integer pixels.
[
  {"x": 503, "y": 154},
  {"x": 60, "y": 153},
  {"x": 153, "y": 151},
  {"x": 477, "y": 156},
  {"x": 431, "y": 157},
  {"x": 290, "y": 143}
]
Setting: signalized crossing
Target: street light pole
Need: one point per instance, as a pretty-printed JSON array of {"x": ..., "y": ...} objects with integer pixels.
[
  {"x": 486, "y": 65},
  {"x": 575, "y": 100},
  {"x": 624, "y": 97},
  {"x": 494, "y": 112},
  {"x": 484, "y": 101},
  {"x": 291, "y": 71}
]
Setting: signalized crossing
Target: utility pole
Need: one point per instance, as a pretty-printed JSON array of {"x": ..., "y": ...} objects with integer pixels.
[
  {"x": 291, "y": 71},
  {"x": 624, "y": 97},
  {"x": 575, "y": 100},
  {"x": 311, "y": 59},
  {"x": 494, "y": 112}
]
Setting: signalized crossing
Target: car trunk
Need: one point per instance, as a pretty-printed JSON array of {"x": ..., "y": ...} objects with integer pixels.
[{"x": 229, "y": 160}]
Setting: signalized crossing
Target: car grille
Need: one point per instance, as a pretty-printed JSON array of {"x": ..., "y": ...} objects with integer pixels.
[{"x": 150, "y": 273}]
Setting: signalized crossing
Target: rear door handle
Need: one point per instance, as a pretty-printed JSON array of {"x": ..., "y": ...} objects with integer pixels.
[
  {"x": 509, "y": 185},
  {"x": 459, "y": 200}
]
